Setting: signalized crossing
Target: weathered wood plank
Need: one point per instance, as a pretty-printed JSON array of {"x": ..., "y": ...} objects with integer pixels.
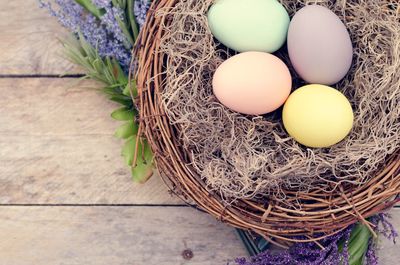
[
  {"x": 114, "y": 235},
  {"x": 28, "y": 42},
  {"x": 37, "y": 169},
  {"x": 57, "y": 146},
  {"x": 389, "y": 253},
  {"x": 40, "y": 106},
  {"x": 124, "y": 235}
]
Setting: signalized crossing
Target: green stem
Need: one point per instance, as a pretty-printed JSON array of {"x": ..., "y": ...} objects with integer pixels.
[
  {"x": 134, "y": 26},
  {"x": 358, "y": 244},
  {"x": 90, "y": 7}
]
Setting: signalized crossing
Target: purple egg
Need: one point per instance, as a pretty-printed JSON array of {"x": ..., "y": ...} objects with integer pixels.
[{"x": 319, "y": 45}]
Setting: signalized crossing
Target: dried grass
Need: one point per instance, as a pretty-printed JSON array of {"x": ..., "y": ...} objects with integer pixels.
[{"x": 241, "y": 156}]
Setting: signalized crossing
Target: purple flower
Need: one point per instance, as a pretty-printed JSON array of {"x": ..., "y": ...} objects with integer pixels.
[
  {"x": 110, "y": 22},
  {"x": 104, "y": 34},
  {"x": 69, "y": 15},
  {"x": 102, "y": 3},
  {"x": 371, "y": 257},
  {"x": 332, "y": 254},
  {"x": 307, "y": 253},
  {"x": 140, "y": 9},
  {"x": 383, "y": 226}
]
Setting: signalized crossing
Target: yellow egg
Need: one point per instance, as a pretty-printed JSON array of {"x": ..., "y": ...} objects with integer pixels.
[{"x": 318, "y": 116}]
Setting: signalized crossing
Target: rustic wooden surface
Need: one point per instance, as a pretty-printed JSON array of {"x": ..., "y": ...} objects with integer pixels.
[
  {"x": 113, "y": 235},
  {"x": 66, "y": 197},
  {"x": 122, "y": 236},
  {"x": 29, "y": 42},
  {"x": 57, "y": 147},
  {"x": 389, "y": 253}
]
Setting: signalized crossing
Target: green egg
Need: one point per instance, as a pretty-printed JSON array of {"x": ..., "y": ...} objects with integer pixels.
[{"x": 249, "y": 25}]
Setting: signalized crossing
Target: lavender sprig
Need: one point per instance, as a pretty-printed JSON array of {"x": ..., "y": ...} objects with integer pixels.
[
  {"x": 334, "y": 252},
  {"x": 101, "y": 45},
  {"x": 104, "y": 33},
  {"x": 92, "y": 8},
  {"x": 140, "y": 10},
  {"x": 351, "y": 246},
  {"x": 384, "y": 227}
]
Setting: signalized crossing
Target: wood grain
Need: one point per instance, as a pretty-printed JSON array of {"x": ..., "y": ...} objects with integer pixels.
[
  {"x": 57, "y": 147},
  {"x": 114, "y": 235},
  {"x": 29, "y": 42},
  {"x": 389, "y": 253},
  {"x": 124, "y": 235}
]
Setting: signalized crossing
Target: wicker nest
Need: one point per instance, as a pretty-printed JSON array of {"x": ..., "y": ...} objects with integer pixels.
[{"x": 318, "y": 213}]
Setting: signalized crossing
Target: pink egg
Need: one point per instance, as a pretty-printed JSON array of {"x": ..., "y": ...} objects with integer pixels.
[{"x": 253, "y": 83}]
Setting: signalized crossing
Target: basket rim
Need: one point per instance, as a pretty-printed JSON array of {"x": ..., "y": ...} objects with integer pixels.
[{"x": 320, "y": 214}]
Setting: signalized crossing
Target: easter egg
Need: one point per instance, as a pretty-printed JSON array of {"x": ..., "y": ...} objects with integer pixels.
[
  {"x": 252, "y": 83},
  {"x": 318, "y": 116},
  {"x": 250, "y": 25},
  {"x": 319, "y": 45}
]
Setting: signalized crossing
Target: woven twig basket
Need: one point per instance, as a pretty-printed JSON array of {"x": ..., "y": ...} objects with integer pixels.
[{"x": 320, "y": 214}]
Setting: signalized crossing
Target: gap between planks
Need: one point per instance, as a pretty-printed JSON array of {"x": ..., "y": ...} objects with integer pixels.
[
  {"x": 42, "y": 76},
  {"x": 99, "y": 205},
  {"x": 396, "y": 207}
]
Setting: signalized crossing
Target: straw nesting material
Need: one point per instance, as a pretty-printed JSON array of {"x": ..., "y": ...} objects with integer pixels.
[{"x": 244, "y": 157}]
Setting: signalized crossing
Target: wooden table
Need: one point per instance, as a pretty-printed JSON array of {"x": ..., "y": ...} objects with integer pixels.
[{"x": 66, "y": 196}]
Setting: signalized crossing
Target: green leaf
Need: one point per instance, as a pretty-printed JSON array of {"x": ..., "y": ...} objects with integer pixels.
[
  {"x": 119, "y": 74},
  {"x": 123, "y": 22},
  {"x": 143, "y": 169},
  {"x": 356, "y": 231},
  {"x": 110, "y": 91},
  {"x": 105, "y": 70},
  {"x": 127, "y": 89},
  {"x": 75, "y": 52},
  {"x": 122, "y": 101},
  {"x": 124, "y": 28},
  {"x": 142, "y": 172},
  {"x": 108, "y": 71},
  {"x": 123, "y": 114},
  {"x": 98, "y": 65},
  {"x": 89, "y": 6},
  {"x": 127, "y": 130},
  {"x": 128, "y": 151},
  {"x": 90, "y": 52},
  {"x": 123, "y": 97},
  {"x": 115, "y": 3},
  {"x": 358, "y": 244},
  {"x": 132, "y": 20}
]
